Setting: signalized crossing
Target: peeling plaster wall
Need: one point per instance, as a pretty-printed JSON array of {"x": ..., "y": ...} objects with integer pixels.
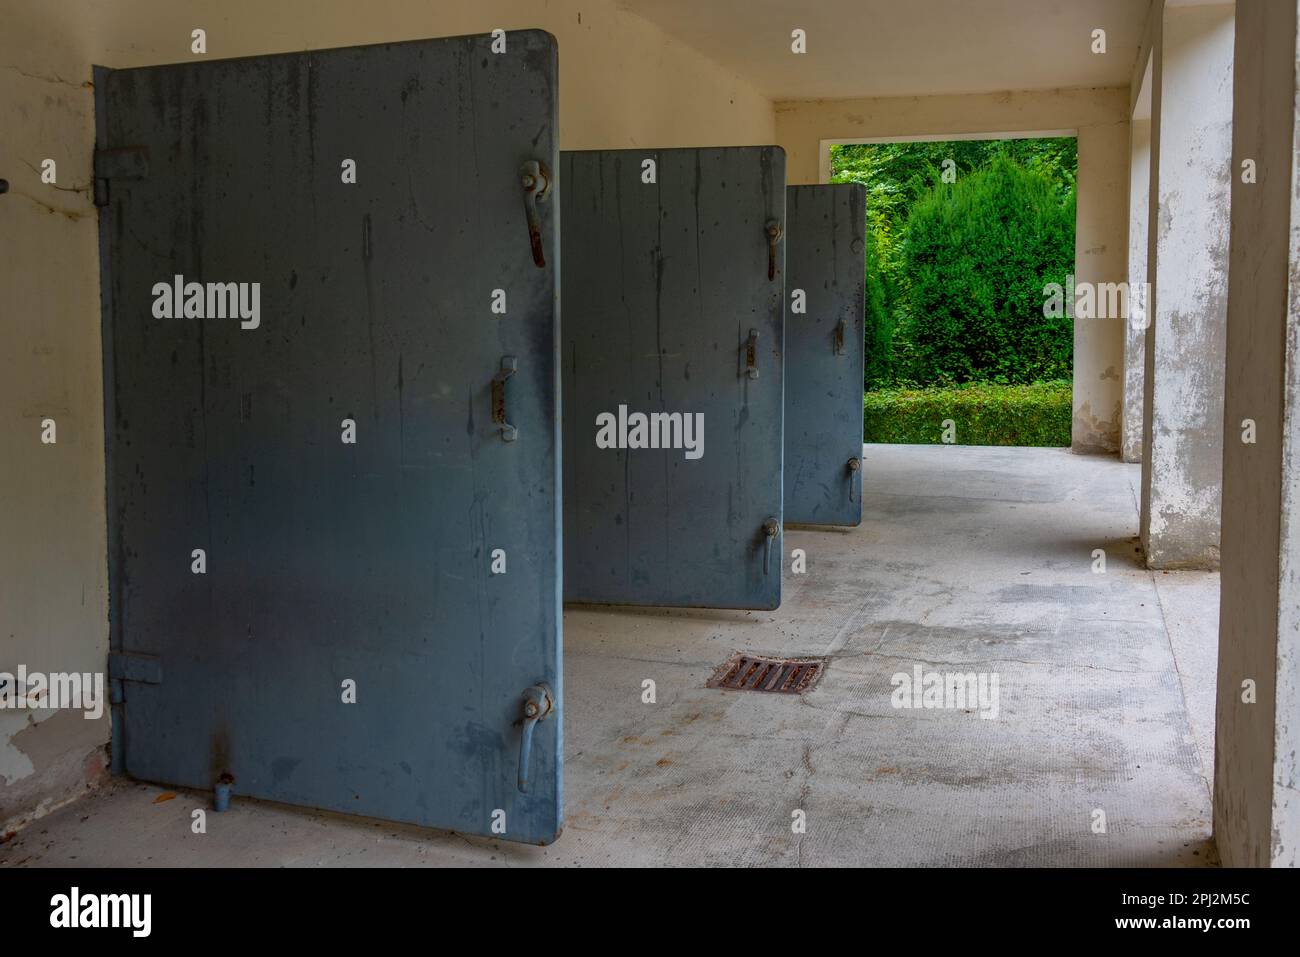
[
  {"x": 53, "y": 612},
  {"x": 1187, "y": 264},
  {"x": 623, "y": 82},
  {"x": 1100, "y": 119},
  {"x": 1257, "y": 781},
  {"x": 1284, "y": 837}
]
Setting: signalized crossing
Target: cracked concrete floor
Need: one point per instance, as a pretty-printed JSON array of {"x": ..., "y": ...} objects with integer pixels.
[{"x": 969, "y": 560}]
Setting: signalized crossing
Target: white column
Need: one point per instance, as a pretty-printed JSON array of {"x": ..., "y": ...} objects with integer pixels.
[
  {"x": 1191, "y": 144},
  {"x": 1257, "y": 735},
  {"x": 1135, "y": 337}
]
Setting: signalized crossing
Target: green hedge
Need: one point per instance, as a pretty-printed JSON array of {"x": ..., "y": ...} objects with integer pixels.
[{"x": 984, "y": 414}]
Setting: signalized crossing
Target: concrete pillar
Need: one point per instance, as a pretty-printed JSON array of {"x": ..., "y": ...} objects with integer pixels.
[
  {"x": 1187, "y": 253},
  {"x": 1098, "y": 342},
  {"x": 1257, "y": 778},
  {"x": 1135, "y": 336}
]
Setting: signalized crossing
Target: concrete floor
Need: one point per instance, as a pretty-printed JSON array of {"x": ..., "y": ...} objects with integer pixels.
[{"x": 970, "y": 560}]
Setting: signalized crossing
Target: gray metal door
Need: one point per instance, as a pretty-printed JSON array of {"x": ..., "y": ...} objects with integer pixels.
[
  {"x": 824, "y": 354},
  {"x": 673, "y": 263},
  {"x": 333, "y": 528}
]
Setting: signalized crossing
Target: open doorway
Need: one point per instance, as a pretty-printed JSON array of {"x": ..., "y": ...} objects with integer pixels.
[{"x": 970, "y": 251}]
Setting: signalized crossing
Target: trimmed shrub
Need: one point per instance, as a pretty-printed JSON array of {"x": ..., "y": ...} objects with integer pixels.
[
  {"x": 984, "y": 414},
  {"x": 975, "y": 257}
]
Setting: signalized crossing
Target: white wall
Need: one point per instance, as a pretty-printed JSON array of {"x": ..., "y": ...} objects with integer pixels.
[
  {"x": 1100, "y": 119},
  {"x": 52, "y": 523}
]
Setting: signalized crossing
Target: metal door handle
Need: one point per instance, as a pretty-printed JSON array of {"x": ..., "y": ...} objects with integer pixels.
[
  {"x": 853, "y": 465},
  {"x": 769, "y": 531},
  {"x": 535, "y": 177},
  {"x": 509, "y": 366},
  {"x": 774, "y": 233},
  {"x": 751, "y": 355},
  {"x": 840, "y": 331},
  {"x": 538, "y": 703}
]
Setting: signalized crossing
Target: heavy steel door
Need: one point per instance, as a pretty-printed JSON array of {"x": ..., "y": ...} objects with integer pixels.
[
  {"x": 673, "y": 269},
  {"x": 334, "y": 527},
  {"x": 824, "y": 354}
]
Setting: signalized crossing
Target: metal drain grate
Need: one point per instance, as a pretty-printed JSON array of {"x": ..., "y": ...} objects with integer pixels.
[{"x": 758, "y": 673}]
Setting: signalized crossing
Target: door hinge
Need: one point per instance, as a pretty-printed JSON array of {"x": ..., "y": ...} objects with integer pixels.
[
  {"x": 126, "y": 162},
  {"x": 128, "y": 666}
]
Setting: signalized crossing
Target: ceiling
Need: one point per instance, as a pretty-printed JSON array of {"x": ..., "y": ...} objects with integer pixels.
[{"x": 908, "y": 47}]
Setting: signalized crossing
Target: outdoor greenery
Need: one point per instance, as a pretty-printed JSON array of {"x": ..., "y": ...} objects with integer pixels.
[
  {"x": 982, "y": 413},
  {"x": 955, "y": 271},
  {"x": 955, "y": 274}
]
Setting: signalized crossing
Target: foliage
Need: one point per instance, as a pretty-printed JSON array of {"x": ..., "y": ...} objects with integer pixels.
[
  {"x": 977, "y": 255},
  {"x": 903, "y": 177},
  {"x": 983, "y": 414}
]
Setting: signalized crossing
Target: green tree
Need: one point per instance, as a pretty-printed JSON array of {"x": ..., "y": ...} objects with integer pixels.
[
  {"x": 878, "y": 359},
  {"x": 976, "y": 255},
  {"x": 897, "y": 176}
]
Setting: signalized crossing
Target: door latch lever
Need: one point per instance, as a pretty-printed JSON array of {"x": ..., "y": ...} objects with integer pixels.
[
  {"x": 854, "y": 465},
  {"x": 538, "y": 703},
  {"x": 774, "y": 231},
  {"x": 535, "y": 178},
  {"x": 769, "y": 532}
]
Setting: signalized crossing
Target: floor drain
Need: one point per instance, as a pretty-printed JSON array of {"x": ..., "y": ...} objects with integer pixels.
[{"x": 757, "y": 673}]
